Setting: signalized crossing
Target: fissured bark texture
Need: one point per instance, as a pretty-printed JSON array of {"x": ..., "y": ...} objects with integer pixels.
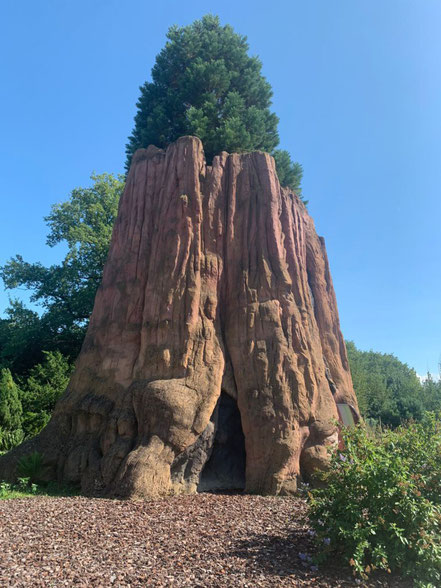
[{"x": 215, "y": 280}]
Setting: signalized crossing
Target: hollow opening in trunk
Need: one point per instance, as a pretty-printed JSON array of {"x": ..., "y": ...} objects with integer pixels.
[{"x": 225, "y": 469}]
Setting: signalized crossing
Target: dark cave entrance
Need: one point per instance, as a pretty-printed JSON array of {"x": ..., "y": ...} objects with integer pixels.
[{"x": 225, "y": 469}]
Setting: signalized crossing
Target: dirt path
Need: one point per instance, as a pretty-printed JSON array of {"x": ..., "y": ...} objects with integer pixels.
[{"x": 204, "y": 540}]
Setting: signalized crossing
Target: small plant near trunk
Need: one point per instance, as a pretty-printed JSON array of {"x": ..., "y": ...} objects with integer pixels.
[
  {"x": 29, "y": 466},
  {"x": 22, "y": 488}
]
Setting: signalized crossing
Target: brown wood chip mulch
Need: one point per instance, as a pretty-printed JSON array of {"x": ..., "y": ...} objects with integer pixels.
[{"x": 204, "y": 540}]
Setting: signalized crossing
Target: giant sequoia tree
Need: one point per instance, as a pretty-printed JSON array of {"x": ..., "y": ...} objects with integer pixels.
[{"x": 204, "y": 83}]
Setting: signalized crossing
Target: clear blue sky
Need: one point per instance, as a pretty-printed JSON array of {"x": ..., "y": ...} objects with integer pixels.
[{"x": 357, "y": 87}]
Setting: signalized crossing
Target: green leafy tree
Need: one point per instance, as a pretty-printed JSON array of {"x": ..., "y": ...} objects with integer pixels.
[
  {"x": 387, "y": 389},
  {"x": 66, "y": 291},
  {"x": 204, "y": 83},
  {"x": 22, "y": 338}
]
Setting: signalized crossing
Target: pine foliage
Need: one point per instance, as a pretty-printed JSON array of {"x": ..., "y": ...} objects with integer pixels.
[
  {"x": 204, "y": 83},
  {"x": 10, "y": 404}
]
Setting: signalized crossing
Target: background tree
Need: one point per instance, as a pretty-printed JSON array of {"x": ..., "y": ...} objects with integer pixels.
[
  {"x": 387, "y": 389},
  {"x": 204, "y": 83},
  {"x": 65, "y": 291},
  {"x": 39, "y": 349},
  {"x": 10, "y": 405},
  {"x": 22, "y": 337},
  {"x": 431, "y": 393},
  {"x": 45, "y": 384},
  {"x": 11, "y": 432}
]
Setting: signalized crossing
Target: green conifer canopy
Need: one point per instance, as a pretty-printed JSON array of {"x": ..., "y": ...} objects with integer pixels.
[
  {"x": 10, "y": 405},
  {"x": 204, "y": 83}
]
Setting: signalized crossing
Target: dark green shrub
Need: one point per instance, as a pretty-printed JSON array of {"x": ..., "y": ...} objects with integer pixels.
[
  {"x": 30, "y": 466},
  {"x": 25, "y": 485},
  {"x": 10, "y": 405},
  {"x": 34, "y": 422},
  {"x": 379, "y": 508},
  {"x": 22, "y": 487},
  {"x": 45, "y": 384}
]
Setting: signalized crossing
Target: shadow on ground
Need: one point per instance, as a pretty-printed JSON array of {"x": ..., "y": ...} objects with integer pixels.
[{"x": 292, "y": 555}]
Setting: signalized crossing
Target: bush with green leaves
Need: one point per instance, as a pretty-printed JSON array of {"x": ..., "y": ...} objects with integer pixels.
[
  {"x": 23, "y": 487},
  {"x": 380, "y": 505},
  {"x": 30, "y": 466},
  {"x": 204, "y": 83}
]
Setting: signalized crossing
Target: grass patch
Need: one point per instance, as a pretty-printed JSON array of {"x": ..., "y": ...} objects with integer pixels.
[{"x": 24, "y": 488}]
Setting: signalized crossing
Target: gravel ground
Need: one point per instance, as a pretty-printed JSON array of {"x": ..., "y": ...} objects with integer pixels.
[{"x": 204, "y": 540}]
